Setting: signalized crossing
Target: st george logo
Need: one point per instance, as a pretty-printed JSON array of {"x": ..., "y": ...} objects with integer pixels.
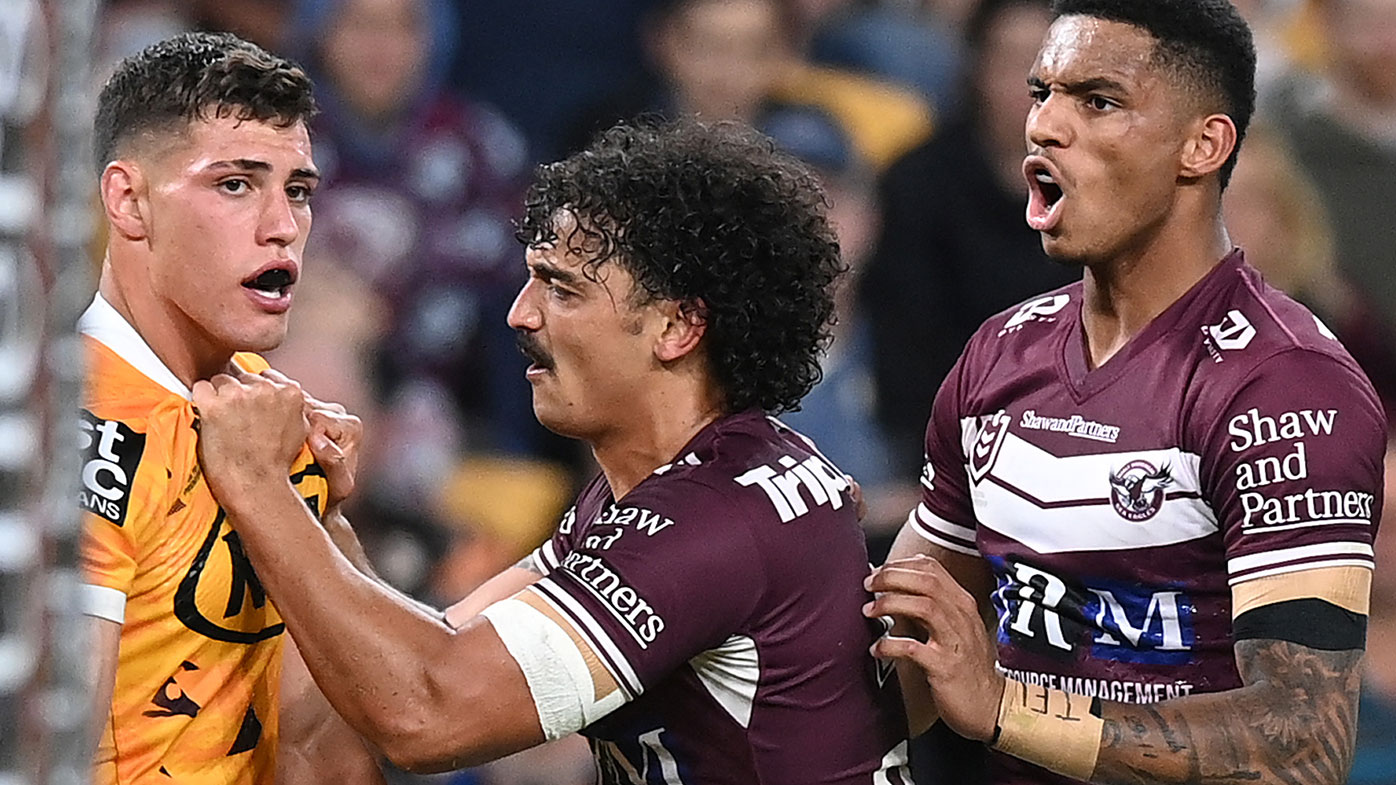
[{"x": 984, "y": 447}]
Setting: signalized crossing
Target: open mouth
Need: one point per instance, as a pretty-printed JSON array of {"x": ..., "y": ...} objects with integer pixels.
[
  {"x": 274, "y": 282},
  {"x": 1045, "y": 194}
]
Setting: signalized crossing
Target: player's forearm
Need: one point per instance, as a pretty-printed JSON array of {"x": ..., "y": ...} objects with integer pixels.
[
  {"x": 370, "y": 649},
  {"x": 1294, "y": 723}
]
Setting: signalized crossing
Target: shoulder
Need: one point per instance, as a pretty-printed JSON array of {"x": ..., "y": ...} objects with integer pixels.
[
  {"x": 1032, "y": 322},
  {"x": 1256, "y": 334},
  {"x": 754, "y": 472}
]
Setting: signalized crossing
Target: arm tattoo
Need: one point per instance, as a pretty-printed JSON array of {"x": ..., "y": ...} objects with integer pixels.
[
  {"x": 1293, "y": 723},
  {"x": 529, "y": 563}
]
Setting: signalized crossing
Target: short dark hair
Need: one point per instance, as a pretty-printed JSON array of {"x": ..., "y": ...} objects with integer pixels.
[
  {"x": 1206, "y": 42},
  {"x": 194, "y": 76},
  {"x": 718, "y": 219}
]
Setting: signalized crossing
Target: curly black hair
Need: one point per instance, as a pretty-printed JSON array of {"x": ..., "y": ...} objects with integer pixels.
[
  {"x": 1205, "y": 42},
  {"x": 714, "y": 217},
  {"x": 182, "y": 79}
]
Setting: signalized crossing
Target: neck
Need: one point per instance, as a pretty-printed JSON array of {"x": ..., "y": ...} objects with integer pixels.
[
  {"x": 189, "y": 356},
  {"x": 1123, "y": 294},
  {"x": 652, "y": 437}
]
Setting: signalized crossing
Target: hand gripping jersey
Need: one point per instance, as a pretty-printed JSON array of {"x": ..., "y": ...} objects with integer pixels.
[
  {"x": 1232, "y": 440},
  {"x": 718, "y": 608},
  {"x": 195, "y": 699}
]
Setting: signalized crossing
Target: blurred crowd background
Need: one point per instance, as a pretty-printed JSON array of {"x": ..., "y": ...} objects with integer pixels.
[{"x": 435, "y": 111}]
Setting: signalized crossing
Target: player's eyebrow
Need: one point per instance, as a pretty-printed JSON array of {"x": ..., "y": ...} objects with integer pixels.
[
  {"x": 550, "y": 272},
  {"x": 254, "y": 165},
  {"x": 1094, "y": 84}
]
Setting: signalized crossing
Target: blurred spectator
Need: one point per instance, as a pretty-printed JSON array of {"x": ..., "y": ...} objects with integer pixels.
[
  {"x": 891, "y": 42},
  {"x": 263, "y": 22},
  {"x": 734, "y": 59},
  {"x": 544, "y": 62},
  {"x": 411, "y": 269},
  {"x": 1342, "y": 124},
  {"x": 1375, "y": 760},
  {"x": 955, "y": 248},
  {"x": 1275, "y": 213},
  {"x": 839, "y": 414},
  {"x": 418, "y": 193},
  {"x": 954, "y": 14}
]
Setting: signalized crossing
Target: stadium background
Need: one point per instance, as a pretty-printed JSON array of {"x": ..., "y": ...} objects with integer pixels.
[{"x": 434, "y": 113}]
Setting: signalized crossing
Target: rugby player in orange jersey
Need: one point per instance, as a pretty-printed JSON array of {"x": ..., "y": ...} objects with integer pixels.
[{"x": 205, "y": 176}]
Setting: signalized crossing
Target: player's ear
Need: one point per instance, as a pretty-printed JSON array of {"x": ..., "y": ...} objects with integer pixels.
[
  {"x": 123, "y": 188},
  {"x": 684, "y": 326},
  {"x": 1210, "y": 142}
]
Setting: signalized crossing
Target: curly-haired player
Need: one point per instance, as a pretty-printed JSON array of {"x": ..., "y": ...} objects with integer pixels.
[{"x": 697, "y": 613}]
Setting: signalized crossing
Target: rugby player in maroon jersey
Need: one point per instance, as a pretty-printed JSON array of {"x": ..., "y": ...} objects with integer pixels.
[
  {"x": 1163, "y": 482},
  {"x": 697, "y": 613}
]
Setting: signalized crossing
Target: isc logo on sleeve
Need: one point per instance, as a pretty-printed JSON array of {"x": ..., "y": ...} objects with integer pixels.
[{"x": 110, "y": 454}]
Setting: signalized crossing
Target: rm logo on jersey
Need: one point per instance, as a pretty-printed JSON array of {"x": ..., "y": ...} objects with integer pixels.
[
  {"x": 110, "y": 454},
  {"x": 1137, "y": 491}
]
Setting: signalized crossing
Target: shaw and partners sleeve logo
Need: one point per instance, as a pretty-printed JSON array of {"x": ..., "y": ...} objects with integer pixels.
[
  {"x": 622, "y": 601},
  {"x": 1275, "y": 489},
  {"x": 1041, "y": 612},
  {"x": 788, "y": 488},
  {"x": 111, "y": 452},
  {"x": 1138, "y": 489}
]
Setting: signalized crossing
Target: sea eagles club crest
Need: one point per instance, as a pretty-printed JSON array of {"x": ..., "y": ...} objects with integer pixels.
[{"x": 1137, "y": 490}]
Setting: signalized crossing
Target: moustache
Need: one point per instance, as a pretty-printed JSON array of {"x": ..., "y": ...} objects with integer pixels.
[{"x": 531, "y": 349}]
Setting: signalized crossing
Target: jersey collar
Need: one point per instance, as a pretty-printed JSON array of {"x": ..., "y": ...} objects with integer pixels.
[{"x": 104, "y": 324}]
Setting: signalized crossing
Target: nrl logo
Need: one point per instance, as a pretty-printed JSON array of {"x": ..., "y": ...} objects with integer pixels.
[
  {"x": 1137, "y": 490},
  {"x": 988, "y": 440}
]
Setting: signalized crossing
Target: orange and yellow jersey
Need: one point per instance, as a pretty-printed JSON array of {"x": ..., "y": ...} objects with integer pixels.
[{"x": 195, "y": 699}]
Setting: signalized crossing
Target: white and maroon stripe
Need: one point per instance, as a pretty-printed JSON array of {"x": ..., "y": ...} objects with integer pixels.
[
  {"x": 952, "y": 536},
  {"x": 1302, "y": 557}
]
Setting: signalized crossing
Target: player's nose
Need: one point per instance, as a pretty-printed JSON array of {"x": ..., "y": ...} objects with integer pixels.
[
  {"x": 1047, "y": 124},
  {"x": 524, "y": 313}
]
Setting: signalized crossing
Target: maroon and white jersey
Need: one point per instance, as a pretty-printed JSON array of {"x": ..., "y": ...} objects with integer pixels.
[
  {"x": 1232, "y": 439},
  {"x": 723, "y": 595}
]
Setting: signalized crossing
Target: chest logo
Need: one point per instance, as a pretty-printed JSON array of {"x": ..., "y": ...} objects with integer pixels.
[
  {"x": 984, "y": 447},
  {"x": 1137, "y": 490}
]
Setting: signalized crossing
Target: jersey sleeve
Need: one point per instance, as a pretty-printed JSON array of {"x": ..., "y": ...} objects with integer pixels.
[
  {"x": 124, "y": 490},
  {"x": 945, "y": 515},
  {"x": 1293, "y": 468},
  {"x": 657, "y": 580}
]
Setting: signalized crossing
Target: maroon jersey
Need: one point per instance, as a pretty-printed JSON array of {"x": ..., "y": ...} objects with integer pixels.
[
  {"x": 724, "y": 595},
  {"x": 1232, "y": 439}
]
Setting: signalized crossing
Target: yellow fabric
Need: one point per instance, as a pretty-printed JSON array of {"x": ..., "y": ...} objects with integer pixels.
[
  {"x": 200, "y": 658},
  {"x": 883, "y": 121}
]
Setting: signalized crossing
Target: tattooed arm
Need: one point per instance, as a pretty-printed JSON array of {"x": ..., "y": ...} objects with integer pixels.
[{"x": 1293, "y": 722}]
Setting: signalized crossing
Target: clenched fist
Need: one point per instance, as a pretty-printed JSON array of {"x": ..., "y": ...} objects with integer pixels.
[{"x": 251, "y": 428}]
